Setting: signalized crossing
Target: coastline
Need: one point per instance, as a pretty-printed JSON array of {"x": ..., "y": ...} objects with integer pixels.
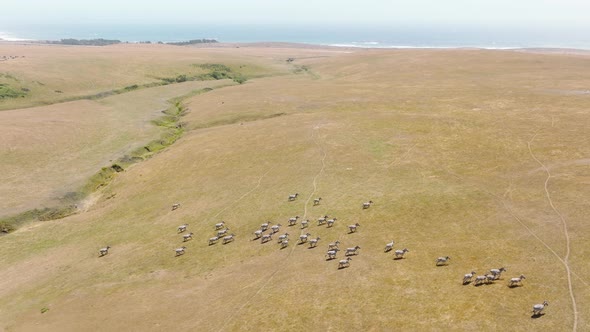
[
  {"x": 302, "y": 45},
  {"x": 310, "y": 36}
]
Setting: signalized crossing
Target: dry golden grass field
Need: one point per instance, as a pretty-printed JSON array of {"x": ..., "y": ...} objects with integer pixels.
[{"x": 479, "y": 155}]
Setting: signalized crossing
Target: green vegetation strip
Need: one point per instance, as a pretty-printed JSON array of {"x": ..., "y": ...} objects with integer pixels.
[
  {"x": 173, "y": 129},
  {"x": 215, "y": 72},
  {"x": 7, "y": 91}
]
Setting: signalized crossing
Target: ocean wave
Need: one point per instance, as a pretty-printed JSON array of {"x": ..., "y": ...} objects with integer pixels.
[
  {"x": 5, "y": 36},
  {"x": 377, "y": 45}
]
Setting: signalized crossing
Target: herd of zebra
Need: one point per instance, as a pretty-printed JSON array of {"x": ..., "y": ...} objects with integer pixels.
[{"x": 333, "y": 248}]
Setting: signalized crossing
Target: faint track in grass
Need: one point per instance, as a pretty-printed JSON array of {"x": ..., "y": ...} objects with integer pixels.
[
  {"x": 241, "y": 197},
  {"x": 204, "y": 225},
  {"x": 393, "y": 163},
  {"x": 565, "y": 260},
  {"x": 315, "y": 186},
  {"x": 271, "y": 276},
  {"x": 518, "y": 219}
]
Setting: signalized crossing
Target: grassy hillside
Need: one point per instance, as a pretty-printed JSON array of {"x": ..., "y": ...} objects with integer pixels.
[
  {"x": 476, "y": 155},
  {"x": 49, "y": 152},
  {"x": 41, "y": 74}
]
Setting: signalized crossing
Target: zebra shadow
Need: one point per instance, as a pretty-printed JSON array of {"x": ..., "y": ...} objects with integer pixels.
[{"x": 539, "y": 315}]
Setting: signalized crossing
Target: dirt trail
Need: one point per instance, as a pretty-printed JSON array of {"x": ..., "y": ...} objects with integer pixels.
[
  {"x": 271, "y": 276},
  {"x": 241, "y": 197},
  {"x": 565, "y": 260},
  {"x": 315, "y": 186},
  {"x": 517, "y": 218}
]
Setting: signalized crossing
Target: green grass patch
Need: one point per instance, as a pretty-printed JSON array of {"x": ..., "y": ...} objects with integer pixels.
[
  {"x": 100, "y": 179},
  {"x": 7, "y": 92},
  {"x": 214, "y": 72},
  {"x": 8, "y": 76},
  {"x": 11, "y": 223},
  {"x": 302, "y": 69}
]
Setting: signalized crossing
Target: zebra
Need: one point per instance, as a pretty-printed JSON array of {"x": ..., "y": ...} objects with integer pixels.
[
  {"x": 467, "y": 277},
  {"x": 399, "y": 254},
  {"x": 516, "y": 281},
  {"x": 265, "y": 238},
  {"x": 303, "y": 237},
  {"x": 330, "y": 222},
  {"x": 367, "y": 205},
  {"x": 538, "y": 308},
  {"x": 314, "y": 242},
  {"x": 490, "y": 278},
  {"x": 389, "y": 246},
  {"x": 497, "y": 272},
  {"x": 222, "y": 232},
  {"x": 353, "y": 227},
  {"x": 229, "y": 238},
  {"x": 352, "y": 251},
  {"x": 322, "y": 220},
  {"x": 283, "y": 237},
  {"x": 442, "y": 260},
  {"x": 180, "y": 251},
  {"x": 344, "y": 263},
  {"x": 331, "y": 254},
  {"x": 257, "y": 234},
  {"x": 479, "y": 280},
  {"x": 104, "y": 251},
  {"x": 293, "y": 220},
  {"x": 333, "y": 245},
  {"x": 275, "y": 228}
]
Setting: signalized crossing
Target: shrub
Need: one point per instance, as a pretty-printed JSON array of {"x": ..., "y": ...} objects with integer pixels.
[{"x": 8, "y": 92}]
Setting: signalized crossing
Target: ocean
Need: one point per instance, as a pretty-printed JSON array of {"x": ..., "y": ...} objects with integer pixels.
[{"x": 393, "y": 36}]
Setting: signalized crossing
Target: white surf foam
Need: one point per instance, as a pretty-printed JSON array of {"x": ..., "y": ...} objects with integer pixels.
[{"x": 6, "y": 36}]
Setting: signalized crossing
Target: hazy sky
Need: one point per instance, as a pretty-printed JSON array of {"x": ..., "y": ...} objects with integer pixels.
[{"x": 378, "y": 12}]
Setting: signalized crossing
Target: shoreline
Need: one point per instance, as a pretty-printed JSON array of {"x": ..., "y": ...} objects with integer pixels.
[{"x": 280, "y": 44}]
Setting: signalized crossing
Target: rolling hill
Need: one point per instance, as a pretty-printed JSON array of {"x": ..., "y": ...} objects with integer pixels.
[{"x": 474, "y": 154}]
